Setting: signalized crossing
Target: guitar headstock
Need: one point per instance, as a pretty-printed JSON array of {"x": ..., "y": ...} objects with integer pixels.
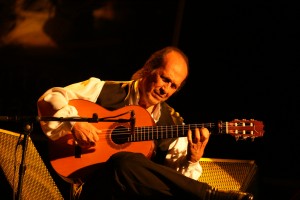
[{"x": 242, "y": 129}]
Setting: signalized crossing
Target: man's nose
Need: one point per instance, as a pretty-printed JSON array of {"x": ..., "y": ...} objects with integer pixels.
[
  {"x": 165, "y": 88},
  {"x": 162, "y": 90}
]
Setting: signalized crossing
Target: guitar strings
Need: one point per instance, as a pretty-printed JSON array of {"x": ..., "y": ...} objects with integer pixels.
[{"x": 163, "y": 132}]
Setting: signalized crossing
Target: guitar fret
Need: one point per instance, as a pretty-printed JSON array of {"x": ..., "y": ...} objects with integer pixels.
[
  {"x": 140, "y": 135},
  {"x": 152, "y": 133},
  {"x": 131, "y": 137},
  {"x": 161, "y": 132},
  {"x": 143, "y": 135},
  {"x": 166, "y": 132},
  {"x": 137, "y": 135},
  {"x": 167, "y": 129}
]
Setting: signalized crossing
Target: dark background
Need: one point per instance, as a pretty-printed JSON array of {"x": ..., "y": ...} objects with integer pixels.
[{"x": 243, "y": 65}]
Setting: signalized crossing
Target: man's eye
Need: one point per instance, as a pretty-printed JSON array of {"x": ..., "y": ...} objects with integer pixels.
[
  {"x": 174, "y": 86},
  {"x": 163, "y": 78},
  {"x": 166, "y": 80}
]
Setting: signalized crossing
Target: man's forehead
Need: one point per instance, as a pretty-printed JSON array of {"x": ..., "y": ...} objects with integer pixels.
[
  {"x": 177, "y": 64},
  {"x": 176, "y": 74}
]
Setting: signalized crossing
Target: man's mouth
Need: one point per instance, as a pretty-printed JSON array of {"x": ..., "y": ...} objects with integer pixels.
[{"x": 157, "y": 95}]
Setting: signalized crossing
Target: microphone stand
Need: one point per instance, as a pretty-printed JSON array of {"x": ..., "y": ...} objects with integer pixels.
[
  {"x": 27, "y": 130},
  {"x": 28, "y": 127}
]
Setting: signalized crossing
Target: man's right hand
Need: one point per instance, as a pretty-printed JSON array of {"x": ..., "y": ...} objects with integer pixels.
[{"x": 85, "y": 134}]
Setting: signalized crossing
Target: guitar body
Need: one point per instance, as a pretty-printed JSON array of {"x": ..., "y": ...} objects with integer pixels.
[{"x": 70, "y": 166}]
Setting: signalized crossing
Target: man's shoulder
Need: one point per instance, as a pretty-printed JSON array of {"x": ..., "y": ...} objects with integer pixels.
[
  {"x": 173, "y": 113},
  {"x": 111, "y": 82}
]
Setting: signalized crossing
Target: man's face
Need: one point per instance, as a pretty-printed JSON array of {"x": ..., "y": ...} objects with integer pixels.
[{"x": 164, "y": 81}]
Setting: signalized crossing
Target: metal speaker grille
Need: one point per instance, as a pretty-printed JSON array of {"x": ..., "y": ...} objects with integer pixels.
[
  {"x": 228, "y": 174},
  {"x": 37, "y": 182}
]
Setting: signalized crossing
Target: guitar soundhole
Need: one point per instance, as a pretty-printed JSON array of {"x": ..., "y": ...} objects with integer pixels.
[{"x": 120, "y": 135}]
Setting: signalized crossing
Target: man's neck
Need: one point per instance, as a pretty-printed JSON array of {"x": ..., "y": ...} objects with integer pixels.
[{"x": 149, "y": 108}]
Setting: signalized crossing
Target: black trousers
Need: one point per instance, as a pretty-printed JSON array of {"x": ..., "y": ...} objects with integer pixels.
[{"x": 128, "y": 175}]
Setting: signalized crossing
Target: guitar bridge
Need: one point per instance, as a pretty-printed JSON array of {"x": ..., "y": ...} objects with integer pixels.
[{"x": 77, "y": 150}]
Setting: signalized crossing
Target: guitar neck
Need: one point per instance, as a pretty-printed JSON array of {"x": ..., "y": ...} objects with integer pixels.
[
  {"x": 241, "y": 129},
  {"x": 162, "y": 132}
]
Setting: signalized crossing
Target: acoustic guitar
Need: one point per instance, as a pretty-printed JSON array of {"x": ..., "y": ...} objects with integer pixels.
[{"x": 130, "y": 128}]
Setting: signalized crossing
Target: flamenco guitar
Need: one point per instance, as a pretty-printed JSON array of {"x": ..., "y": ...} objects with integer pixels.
[{"x": 72, "y": 162}]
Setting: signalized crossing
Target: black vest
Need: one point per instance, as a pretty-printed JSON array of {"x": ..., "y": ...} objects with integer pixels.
[{"x": 115, "y": 94}]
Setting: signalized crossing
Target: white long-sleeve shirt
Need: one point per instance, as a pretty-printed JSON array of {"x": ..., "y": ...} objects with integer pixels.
[{"x": 90, "y": 90}]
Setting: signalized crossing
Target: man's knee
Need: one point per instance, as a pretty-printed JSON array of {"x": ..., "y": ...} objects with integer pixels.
[{"x": 125, "y": 159}]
